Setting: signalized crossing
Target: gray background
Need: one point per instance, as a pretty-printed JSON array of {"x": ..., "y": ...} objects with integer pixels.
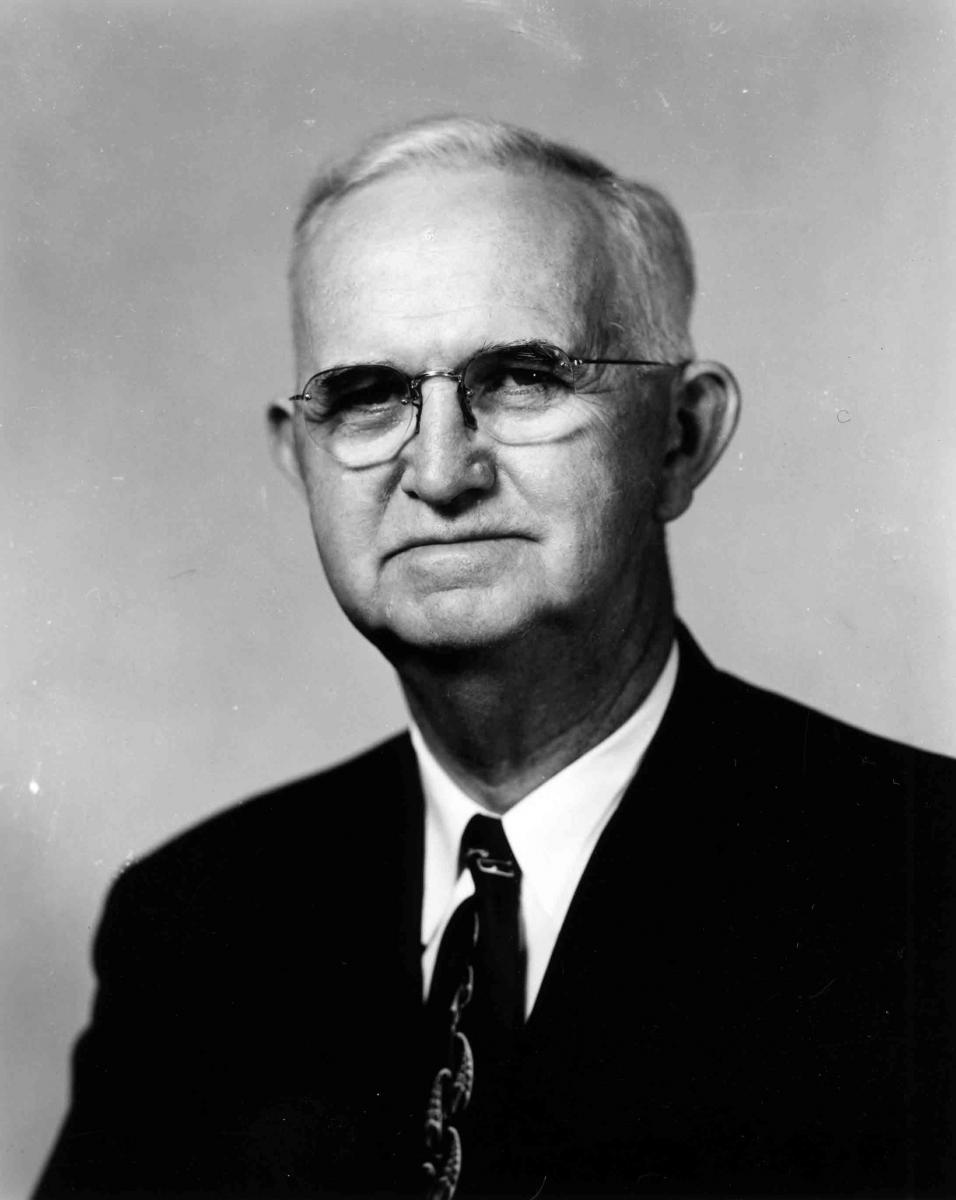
[{"x": 168, "y": 642}]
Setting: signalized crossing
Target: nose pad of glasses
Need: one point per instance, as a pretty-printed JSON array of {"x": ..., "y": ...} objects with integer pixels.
[
  {"x": 416, "y": 403},
  {"x": 464, "y": 402}
]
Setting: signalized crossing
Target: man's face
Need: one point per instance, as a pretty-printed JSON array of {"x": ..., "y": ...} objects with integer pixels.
[{"x": 460, "y": 541}]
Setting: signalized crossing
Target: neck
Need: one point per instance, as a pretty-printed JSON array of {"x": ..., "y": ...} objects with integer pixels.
[{"x": 503, "y": 723}]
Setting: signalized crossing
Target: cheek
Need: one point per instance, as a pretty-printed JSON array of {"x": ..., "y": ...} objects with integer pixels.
[
  {"x": 611, "y": 489},
  {"x": 610, "y": 512},
  {"x": 345, "y": 520}
]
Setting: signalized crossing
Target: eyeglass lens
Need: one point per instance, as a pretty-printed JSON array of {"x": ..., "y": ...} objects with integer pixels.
[{"x": 364, "y": 414}]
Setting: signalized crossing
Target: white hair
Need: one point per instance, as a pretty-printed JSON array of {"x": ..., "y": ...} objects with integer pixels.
[{"x": 655, "y": 281}]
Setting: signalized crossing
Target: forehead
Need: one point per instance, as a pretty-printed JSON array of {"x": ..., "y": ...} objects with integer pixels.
[{"x": 425, "y": 265}]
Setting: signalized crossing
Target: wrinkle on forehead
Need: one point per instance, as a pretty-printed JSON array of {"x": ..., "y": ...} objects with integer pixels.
[
  {"x": 542, "y": 235},
  {"x": 432, "y": 314}
]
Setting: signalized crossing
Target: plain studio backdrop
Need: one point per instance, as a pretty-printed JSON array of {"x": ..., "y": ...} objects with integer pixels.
[{"x": 169, "y": 643}]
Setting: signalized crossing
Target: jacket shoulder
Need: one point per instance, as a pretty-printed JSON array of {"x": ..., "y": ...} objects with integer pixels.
[
  {"x": 794, "y": 739},
  {"x": 825, "y": 742},
  {"x": 327, "y": 795},
  {"x": 264, "y": 848}
]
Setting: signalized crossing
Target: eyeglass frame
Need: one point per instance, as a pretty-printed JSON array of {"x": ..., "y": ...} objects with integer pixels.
[{"x": 414, "y": 383}]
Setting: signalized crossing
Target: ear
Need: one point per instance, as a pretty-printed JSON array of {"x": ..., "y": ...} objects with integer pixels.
[
  {"x": 279, "y": 419},
  {"x": 705, "y": 407}
]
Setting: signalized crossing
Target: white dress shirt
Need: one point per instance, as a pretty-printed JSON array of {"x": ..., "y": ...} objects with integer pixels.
[{"x": 552, "y": 832}]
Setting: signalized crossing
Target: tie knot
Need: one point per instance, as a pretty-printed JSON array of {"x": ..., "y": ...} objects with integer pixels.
[{"x": 485, "y": 850}]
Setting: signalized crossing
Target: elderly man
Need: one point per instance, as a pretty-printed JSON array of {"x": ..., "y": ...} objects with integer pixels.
[{"x": 606, "y": 921}]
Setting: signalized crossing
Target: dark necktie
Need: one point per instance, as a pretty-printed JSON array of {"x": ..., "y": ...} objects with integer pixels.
[{"x": 475, "y": 1010}]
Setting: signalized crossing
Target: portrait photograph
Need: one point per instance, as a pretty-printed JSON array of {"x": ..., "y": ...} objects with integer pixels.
[{"x": 478, "y": 641}]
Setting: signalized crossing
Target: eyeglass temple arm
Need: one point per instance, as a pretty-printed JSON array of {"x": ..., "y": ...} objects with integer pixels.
[{"x": 623, "y": 362}]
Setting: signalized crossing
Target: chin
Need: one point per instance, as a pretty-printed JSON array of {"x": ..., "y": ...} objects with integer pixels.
[{"x": 449, "y": 622}]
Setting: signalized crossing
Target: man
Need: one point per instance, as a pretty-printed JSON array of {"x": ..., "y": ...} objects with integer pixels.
[{"x": 608, "y": 922}]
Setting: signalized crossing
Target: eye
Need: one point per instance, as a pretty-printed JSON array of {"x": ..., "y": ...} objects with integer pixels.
[
  {"x": 527, "y": 377},
  {"x": 356, "y": 389},
  {"x": 516, "y": 373}
]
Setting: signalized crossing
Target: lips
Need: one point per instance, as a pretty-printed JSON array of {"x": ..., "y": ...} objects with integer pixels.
[{"x": 456, "y": 539}]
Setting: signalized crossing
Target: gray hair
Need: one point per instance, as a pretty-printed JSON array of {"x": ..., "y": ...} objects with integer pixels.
[{"x": 655, "y": 275}]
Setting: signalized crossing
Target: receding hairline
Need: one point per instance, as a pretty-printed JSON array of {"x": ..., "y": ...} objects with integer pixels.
[{"x": 643, "y": 233}]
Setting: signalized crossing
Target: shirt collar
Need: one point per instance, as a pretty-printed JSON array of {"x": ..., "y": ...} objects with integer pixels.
[{"x": 550, "y": 827}]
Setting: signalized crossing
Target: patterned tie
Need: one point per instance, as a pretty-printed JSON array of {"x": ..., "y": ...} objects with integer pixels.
[{"x": 475, "y": 1008}]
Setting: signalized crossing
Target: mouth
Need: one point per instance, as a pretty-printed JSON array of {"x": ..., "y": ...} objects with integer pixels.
[{"x": 450, "y": 542}]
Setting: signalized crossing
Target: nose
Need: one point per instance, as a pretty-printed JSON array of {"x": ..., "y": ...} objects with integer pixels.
[{"x": 446, "y": 460}]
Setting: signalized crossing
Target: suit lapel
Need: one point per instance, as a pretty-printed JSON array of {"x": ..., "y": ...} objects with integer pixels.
[
  {"x": 370, "y": 1025},
  {"x": 635, "y": 890},
  {"x": 393, "y": 926},
  {"x": 412, "y": 837}
]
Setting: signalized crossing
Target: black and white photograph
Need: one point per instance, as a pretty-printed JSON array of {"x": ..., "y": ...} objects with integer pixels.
[{"x": 478, "y": 591}]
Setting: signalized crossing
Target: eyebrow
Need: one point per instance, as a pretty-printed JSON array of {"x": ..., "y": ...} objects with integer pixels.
[{"x": 483, "y": 348}]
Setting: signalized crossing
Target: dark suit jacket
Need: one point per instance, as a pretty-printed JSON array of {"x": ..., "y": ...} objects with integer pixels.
[{"x": 749, "y": 996}]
